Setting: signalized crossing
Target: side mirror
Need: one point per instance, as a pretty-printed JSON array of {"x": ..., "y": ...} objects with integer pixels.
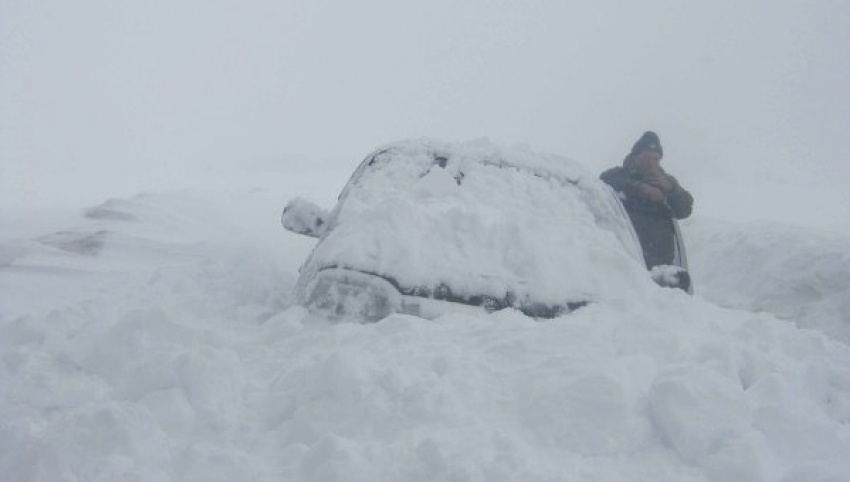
[
  {"x": 670, "y": 276},
  {"x": 303, "y": 217}
]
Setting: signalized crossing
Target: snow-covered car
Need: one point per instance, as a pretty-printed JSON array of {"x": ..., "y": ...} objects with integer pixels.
[{"x": 425, "y": 225}]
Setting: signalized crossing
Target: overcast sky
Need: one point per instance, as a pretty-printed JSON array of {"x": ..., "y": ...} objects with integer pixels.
[{"x": 99, "y": 93}]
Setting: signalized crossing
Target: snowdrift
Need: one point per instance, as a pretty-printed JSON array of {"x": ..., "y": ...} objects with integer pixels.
[
  {"x": 802, "y": 275},
  {"x": 157, "y": 339}
]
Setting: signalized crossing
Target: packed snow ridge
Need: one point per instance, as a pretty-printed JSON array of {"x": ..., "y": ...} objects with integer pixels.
[{"x": 156, "y": 339}]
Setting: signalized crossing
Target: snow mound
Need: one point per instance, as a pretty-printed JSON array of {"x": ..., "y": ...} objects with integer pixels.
[
  {"x": 87, "y": 243},
  {"x": 797, "y": 274}
]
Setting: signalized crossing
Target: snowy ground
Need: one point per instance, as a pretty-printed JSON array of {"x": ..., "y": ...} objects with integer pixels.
[{"x": 154, "y": 337}]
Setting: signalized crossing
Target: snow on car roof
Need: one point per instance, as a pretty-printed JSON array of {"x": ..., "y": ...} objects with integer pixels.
[{"x": 483, "y": 219}]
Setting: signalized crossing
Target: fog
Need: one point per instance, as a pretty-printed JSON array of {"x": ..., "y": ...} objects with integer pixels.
[{"x": 751, "y": 99}]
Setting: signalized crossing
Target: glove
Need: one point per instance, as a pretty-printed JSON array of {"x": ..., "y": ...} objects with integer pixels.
[{"x": 652, "y": 193}]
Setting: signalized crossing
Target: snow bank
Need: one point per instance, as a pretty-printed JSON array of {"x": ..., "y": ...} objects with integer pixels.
[
  {"x": 174, "y": 352},
  {"x": 797, "y": 274}
]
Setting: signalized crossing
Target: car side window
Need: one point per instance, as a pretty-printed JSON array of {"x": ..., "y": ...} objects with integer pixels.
[{"x": 369, "y": 161}]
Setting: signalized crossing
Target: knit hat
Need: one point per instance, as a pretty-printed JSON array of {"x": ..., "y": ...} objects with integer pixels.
[{"x": 648, "y": 141}]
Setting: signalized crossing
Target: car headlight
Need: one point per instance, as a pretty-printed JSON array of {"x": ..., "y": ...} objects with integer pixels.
[{"x": 338, "y": 293}]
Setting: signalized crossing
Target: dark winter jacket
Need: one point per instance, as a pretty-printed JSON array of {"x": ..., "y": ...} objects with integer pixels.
[{"x": 652, "y": 221}]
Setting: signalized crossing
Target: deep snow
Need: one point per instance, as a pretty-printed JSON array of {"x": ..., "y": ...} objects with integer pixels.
[{"x": 154, "y": 337}]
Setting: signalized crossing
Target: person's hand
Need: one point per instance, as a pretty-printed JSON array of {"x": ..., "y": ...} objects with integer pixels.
[
  {"x": 659, "y": 180},
  {"x": 652, "y": 193}
]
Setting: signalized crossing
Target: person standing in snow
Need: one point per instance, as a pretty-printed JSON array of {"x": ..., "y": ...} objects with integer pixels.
[{"x": 652, "y": 198}]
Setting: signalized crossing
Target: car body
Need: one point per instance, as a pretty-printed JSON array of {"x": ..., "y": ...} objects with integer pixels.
[{"x": 425, "y": 226}]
